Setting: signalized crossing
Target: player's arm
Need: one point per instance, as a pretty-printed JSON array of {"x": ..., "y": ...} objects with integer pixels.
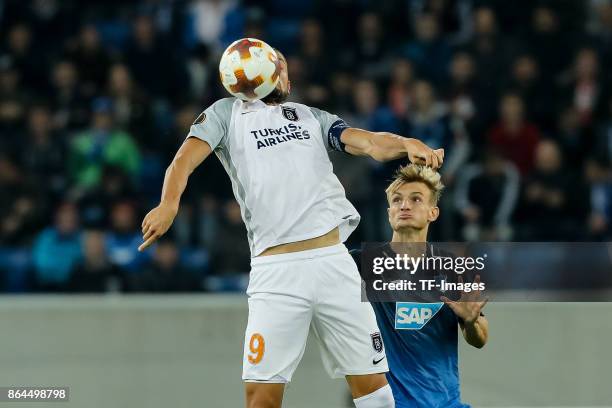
[
  {"x": 381, "y": 146},
  {"x": 190, "y": 155},
  {"x": 468, "y": 308},
  {"x": 384, "y": 146},
  {"x": 475, "y": 333},
  {"x": 205, "y": 135}
]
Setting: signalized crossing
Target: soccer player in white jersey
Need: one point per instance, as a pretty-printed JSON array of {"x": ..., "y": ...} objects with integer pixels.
[{"x": 297, "y": 218}]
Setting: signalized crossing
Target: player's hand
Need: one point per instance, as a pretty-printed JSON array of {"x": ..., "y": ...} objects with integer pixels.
[
  {"x": 469, "y": 305},
  {"x": 156, "y": 223},
  {"x": 420, "y": 153}
]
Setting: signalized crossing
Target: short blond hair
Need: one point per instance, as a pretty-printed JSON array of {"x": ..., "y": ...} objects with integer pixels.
[{"x": 420, "y": 174}]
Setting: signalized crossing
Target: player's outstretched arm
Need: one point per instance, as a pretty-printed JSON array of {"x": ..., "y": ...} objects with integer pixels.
[
  {"x": 384, "y": 146},
  {"x": 190, "y": 155}
]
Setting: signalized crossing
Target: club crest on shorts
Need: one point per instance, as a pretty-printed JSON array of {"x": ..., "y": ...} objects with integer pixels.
[
  {"x": 377, "y": 342},
  {"x": 289, "y": 113},
  {"x": 201, "y": 118}
]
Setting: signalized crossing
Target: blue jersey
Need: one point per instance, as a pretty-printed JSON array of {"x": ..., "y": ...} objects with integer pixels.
[{"x": 420, "y": 339}]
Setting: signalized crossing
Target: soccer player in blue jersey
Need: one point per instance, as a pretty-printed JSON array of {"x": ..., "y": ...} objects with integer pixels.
[{"x": 421, "y": 337}]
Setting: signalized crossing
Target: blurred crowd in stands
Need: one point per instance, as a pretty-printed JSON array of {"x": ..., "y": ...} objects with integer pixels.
[{"x": 96, "y": 96}]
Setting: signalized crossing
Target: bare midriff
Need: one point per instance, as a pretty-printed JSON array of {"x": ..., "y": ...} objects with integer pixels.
[{"x": 329, "y": 239}]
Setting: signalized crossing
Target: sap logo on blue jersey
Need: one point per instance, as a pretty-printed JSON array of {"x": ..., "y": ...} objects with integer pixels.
[{"x": 414, "y": 316}]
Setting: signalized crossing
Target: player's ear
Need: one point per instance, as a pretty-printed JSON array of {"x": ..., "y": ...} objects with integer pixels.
[
  {"x": 288, "y": 86},
  {"x": 434, "y": 213}
]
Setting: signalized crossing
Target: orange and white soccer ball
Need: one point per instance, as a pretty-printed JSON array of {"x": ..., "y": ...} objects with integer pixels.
[{"x": 249, "y": 69}]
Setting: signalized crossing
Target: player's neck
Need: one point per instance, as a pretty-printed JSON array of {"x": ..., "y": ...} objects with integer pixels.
[
  {"x": 411, "y": 242},
  {"x": 410, "y": 235}
]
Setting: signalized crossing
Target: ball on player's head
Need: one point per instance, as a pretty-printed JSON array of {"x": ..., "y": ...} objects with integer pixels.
[{"x": 249, "y": 69}]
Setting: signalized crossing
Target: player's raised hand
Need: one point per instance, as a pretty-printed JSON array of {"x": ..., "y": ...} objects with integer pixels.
[
  {"x": 156, "y": 223},
  {"x": 469, "y": 305},
  {"x": 420, "y": 153}
]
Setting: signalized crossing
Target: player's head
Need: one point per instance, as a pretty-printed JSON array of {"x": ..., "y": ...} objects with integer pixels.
[
  {"x": 283, "y": 88},
  {"x": 413, "y": 197}
]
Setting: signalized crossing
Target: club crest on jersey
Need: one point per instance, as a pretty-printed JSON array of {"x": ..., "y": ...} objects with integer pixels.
[
  {"x": 414, "y": 316},
  {"x": 201, "y": 118},
  {"x": 290, "y": 113},
  {"x": 377, "y": 342}
]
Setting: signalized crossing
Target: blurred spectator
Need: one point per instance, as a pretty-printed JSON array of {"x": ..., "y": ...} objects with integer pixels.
[
  {"x": 197, "y": 223},
  {"x": 57, "y": 250},
  {"x": 514, "y": 135},
  {"x": 182, "y": 121},
  {"x": 429, "y": 50},
  {"x": 370, "y": 49},
  {"x": 547, "y": 42},
  {"x": 584, "y": 88},
  {"x": 451, "y": 15},
  {"x": 124, "y": 238},
  {"x": 21, "y": 205},
  {"x": 230, "y": 253},
  {"x": 94, "y": 272},
  {"x": 68, "y": 102},
  {"x": 146, "y": 50},
  {"x": 297, "y": 73},
  {"x": 486, "y": 196},
  {"x": 400, "y": 87},
  {"x": 45, "y": 158},
  {"x": 462, "y": 76},
  {"x": 314, "y": 56},
  {"x": 200, "y": 71},
  {"x": 368, "y": 114},
  {"x": 91, "y": 60},
  {"x": 342, "y": 89},
  {"x": 576, "y": 142},
  {"x": 600, "y": 22},
  {"x": 365, "y": 104},
  {"x": 341, "y": 31},
  {"x": 429, "y": 122},
  {"x": 207, "y": 20},
  {"x": 555, "y": 202},
  {"x": 164, "y": 274},
  {"x": 26, "y": 59},
  {"x": 488, "y": 50},
  {"x": 534, "y": 90},
  {"x": 101, "y": 145},
  {"x": 465, "y": 97},
  {"x": 12, "y": 103},
  {"x": 96, "y": 203},
  {"x": 51, "y": 19},
  {"x": 131, "y": 107},
  {"x": 602, "y": 29}
]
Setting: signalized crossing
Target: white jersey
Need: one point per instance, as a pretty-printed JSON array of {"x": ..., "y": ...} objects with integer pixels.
[{"x": 277, "y": 159}]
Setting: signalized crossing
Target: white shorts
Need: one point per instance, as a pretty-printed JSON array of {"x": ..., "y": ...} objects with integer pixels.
[{"x": 318, "y": 289}]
